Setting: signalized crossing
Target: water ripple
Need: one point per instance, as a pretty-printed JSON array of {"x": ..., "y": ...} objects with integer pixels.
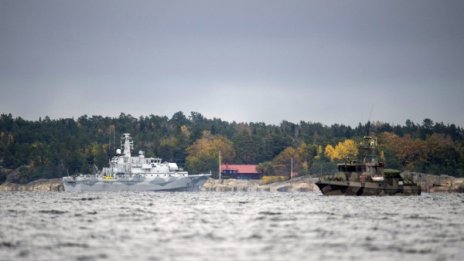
[{"x": 229, "y": 226}]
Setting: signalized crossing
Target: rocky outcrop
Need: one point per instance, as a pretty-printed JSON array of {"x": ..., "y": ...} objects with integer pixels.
[
  {"x": 429, "y": 183},
  {"x": 37, "y": 185},
  {"x": 300, "y": 184},
  {"x": 439, "y": 183}
]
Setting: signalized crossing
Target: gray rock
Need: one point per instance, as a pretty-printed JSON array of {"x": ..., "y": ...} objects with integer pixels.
[
  {"x": 300, "y": 184},
  {"x": 37, "y": 185}
]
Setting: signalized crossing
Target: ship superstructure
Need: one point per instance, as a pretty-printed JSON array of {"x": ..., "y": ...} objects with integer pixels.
[
  {"x": 135, "y": 173},
  {"x": 367, "y": 176}
]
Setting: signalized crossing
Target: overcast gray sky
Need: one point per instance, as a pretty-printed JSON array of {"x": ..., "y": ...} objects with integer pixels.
[{"x": 322, "y": 61}]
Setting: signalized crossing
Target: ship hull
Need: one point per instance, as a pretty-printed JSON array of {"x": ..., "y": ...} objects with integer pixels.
[
  {"x": 366, "y": 189},
  {"x": 186, "y": 183}
]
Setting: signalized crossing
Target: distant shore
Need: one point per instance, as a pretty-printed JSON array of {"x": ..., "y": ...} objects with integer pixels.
[
  {"x": 429, "y": 183},
  {"x": 301, "y": 184}
]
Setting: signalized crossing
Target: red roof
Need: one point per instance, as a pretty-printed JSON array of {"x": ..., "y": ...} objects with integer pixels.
[{"x": 241, "y": 169}]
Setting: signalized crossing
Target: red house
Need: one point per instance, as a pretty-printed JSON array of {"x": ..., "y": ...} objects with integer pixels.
[{"x": 239, "y": 171}]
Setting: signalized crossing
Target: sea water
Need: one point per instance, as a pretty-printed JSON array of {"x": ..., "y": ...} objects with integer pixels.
[{"x": 229, "y": 226}]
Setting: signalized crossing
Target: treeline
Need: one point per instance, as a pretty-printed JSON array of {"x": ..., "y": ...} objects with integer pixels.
[{"x": 49, "y": 148}]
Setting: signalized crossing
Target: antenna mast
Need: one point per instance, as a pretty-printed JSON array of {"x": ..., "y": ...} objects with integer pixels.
[
  {"x": 369, "y": 120},
  {"x": 220, "y": 162}
]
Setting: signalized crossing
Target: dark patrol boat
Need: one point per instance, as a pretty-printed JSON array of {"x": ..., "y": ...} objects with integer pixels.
[{"x": 368, "y": 177}]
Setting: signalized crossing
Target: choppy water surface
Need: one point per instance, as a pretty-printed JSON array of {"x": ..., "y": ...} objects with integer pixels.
[{"x": 229, "y": 226}]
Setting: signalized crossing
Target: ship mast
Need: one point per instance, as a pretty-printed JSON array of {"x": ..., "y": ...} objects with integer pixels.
[
  {"x": 127, "y": 144},
  {"x": 368, "y": 150}
]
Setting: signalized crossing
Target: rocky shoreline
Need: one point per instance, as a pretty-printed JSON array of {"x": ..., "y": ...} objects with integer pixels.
[
  {"x": 439, "y": 183},
  {"x": 429, "y": 183},
  {"x": 302, "y": 184},
  {"x": 44, "y": 185},
  {"x": 299, "y": 184}
]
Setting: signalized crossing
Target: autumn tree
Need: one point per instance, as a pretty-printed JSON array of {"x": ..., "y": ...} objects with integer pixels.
[
  {"x": 202, "y": 155},
  {"x": 282, "y": 163},
  {"x": 266, "y": 168},
  {"x": 410, "y": 152},
  {"x": 302, "y": 158},
  {"x": 441, "y": 154},
  {"x": 168, "y": 147},
  {"x": 347, "y": 149}
]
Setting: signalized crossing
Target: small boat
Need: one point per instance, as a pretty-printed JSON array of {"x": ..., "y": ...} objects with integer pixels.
[
  {"x": 368, "y": 177},
  {"x": 135, "y": 173}
]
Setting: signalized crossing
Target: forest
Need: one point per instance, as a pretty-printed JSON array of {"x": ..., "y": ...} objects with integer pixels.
[{"x": 51, "y": 148}]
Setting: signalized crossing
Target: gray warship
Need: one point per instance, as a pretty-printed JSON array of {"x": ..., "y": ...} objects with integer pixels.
[
  {"x": 135, "y": 173},
  {"x": 367, "y": 176}
]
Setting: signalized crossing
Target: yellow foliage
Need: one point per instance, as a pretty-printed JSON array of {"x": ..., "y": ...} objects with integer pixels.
[
  {"x": 94, "y": 149},
  {"x": 169, "y": 142},
  {"x": 185, "y": 131},
  {"x": 330, "y": 152},
  {"x": 305, "y": 166},
  {"x": 203, "y": 154},
  {"x": 271, "y": 179},
  {"x": 286, "y": 155},
  {"x": 382, "y": 156},
  {"x": 344, "y": 150}
]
